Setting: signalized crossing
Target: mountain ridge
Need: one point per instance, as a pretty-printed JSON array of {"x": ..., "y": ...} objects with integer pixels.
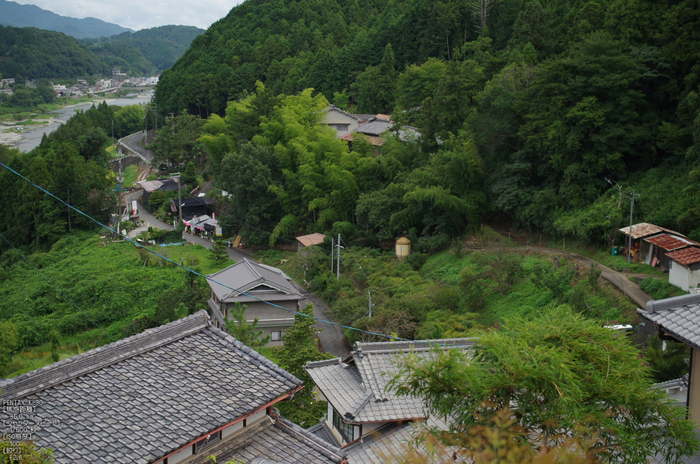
[{"x": 17, "y": 15}]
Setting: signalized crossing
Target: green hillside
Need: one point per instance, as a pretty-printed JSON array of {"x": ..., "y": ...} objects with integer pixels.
[
  {"x": 33, "y": 54},
  {"x": 545, "y": 107},
  {"x": 147, "y": 51}
]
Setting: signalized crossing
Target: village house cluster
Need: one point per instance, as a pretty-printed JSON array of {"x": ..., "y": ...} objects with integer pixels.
[{"x": 84, "y": 87}]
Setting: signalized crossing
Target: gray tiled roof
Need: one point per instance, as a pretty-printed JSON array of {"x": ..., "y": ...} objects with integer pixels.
[
  {"x": 375, "y": 127},
  {"x": 247, "y": 276},
  {"x": 678, "y": 316},
  {"x": 357, "y": 389},
  {"x": 138, "y": 399},
  {"x": 323, "y": 431},
  {"x": 274, "y": 440},
  {"x": 681, "y": 383},
  {"x": 388, "y": 443}
]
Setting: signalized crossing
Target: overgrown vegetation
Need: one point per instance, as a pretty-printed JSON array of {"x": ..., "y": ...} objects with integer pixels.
[
  {"x": 551, "y": 113},
  {"x": 454, "y": 293},
  {"x": 660, "y": 289},
  {"x": 120, "y": 290}
]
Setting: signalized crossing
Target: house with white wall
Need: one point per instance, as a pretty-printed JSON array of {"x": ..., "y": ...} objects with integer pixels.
[
  {"x": 342, "y": 122},
  {"x": 684, "y": 268}
]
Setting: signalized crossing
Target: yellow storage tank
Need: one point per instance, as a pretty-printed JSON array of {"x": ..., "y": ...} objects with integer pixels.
[{"x": 403, "y": 247}]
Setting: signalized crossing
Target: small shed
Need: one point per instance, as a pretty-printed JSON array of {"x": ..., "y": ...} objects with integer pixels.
[
  {"x": 661, "y": 245},
  {"x": 309, "y": 240},
  {"x": 403, "y": 247},
  {"x": 684, "y": 268},
  {"x": 639, "y": 232}
]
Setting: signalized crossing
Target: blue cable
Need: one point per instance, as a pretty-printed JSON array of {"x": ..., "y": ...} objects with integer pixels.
[{"x": 190, "y": 270}]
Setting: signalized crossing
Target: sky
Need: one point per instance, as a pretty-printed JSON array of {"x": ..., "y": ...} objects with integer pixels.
[{"x": 141, "y": 14}]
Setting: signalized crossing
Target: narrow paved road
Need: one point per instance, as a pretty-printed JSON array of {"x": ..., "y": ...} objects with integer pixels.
[
  {"x": 148, "y": 219},
  {"x": 133, "y": 143}
]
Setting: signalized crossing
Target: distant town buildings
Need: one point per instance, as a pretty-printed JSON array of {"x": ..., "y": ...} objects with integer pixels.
[{"x": 83, "y": 87}]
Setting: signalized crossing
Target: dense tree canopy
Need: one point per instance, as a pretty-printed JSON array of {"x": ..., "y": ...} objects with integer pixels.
[
  {"x": 548, "y": 99},
  {"x": 555, "y": 375}
]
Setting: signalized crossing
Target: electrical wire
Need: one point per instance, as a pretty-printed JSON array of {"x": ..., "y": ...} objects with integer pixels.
[
  {"x": 347, "y": 248},
  {"x": 193, "y": 271}
]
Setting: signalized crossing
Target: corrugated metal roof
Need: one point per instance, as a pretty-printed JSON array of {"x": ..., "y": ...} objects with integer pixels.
[
  {"x": 686, "y": 256},
  {"x": 644, "y": 229},
  {"x": 311, "y": 239},
  {"x": 669, "y": 242}
]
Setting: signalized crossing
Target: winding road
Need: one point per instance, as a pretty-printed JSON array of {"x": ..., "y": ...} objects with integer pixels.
[{"x": 132, "y": 142}]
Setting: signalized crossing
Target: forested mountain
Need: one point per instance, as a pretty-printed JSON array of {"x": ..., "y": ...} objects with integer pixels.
[
  {"x": 14, "y": 14},
  {"x": 33, "y": 53},
  {"x": 538, "y": 102},
  {"x": 147, "y": 51}
]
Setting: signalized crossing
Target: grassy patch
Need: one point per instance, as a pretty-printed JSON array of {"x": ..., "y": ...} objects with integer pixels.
[
  {"x": 31, "y": 122},
  {"x": 660, "y": 289},
  {"x": 112, "y": 284},
  {"x": 435, "y": 300},
  {"x": 130, "y": 174}
]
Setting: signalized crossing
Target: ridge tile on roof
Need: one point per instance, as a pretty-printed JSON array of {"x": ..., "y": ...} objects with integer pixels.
[
  {"x": 144, "y": 397},
  {"x": 678, "y": 316},
  {"x": 357, "y": 390}
]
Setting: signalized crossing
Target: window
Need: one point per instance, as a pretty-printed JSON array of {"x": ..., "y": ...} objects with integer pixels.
[
  {"x": 344, "y": 429},
  {"x": 277, "y": 336},
  {"x": 341, "y": 127},
  {"x": 213, "y": 438}
]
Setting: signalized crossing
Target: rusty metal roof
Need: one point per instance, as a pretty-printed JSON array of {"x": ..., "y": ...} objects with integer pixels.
[
  {"x": 311, "y": 239},
  {"x": 686, "y": 256},
  {"x": 644, "y": 229},
  {"x": 669, "y": 242}
]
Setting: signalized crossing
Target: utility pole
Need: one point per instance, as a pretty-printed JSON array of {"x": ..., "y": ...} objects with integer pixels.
[
  {"x": 332, "y": 251},
  {"x": 113, "y": 141},
  {"x": 370, "y": 303},
  {"x": 179, "y": 198},
  {"x": 338, "y": 263},
  {"x": 629, "y": 253},
  {"x": 155, "y": 115}
]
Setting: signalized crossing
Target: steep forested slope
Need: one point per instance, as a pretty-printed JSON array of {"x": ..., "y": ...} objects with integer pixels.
[
  {"x": 145, "y": 51},
  {"x": 554, "y": 103},
  {"x": 33, "y": 53}
]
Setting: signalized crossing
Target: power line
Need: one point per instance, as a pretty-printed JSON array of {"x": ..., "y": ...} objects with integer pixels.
[
  {"x": 192, "y": 271},
  {"x": 356, "y": 262}
]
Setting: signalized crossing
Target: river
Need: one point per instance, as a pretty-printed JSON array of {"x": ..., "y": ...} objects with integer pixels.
[{"x": 31, "y": 135}]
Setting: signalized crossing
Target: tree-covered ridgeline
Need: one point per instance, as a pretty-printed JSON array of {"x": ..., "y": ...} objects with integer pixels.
[
  {"x": 144, "y": 52},
  {"x": 30, "y": 53},
  {"x": 553, "y": 100}
]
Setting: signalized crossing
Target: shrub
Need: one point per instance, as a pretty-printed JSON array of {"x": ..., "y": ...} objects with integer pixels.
[{"x": 659, "y": 289}]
